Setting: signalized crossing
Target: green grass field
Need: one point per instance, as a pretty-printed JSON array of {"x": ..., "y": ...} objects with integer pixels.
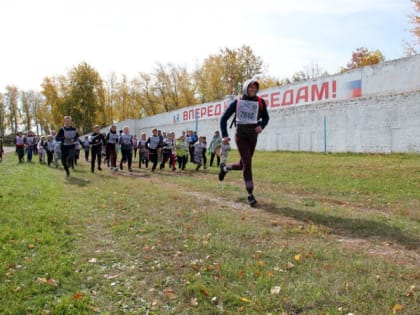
[{"x": 333, "y": 234}]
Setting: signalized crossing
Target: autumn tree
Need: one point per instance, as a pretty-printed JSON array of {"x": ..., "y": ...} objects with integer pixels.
[
  {"x": 2, "y": 115},
  {"x": 210, "y": 80},
  {"x": 411, "y": 47},
  {"x": 415, "y": 20},
  {"x": 269, "y": 82},
  {"x": 172, "y": 87},
  {"x": 12, "y": 105},
  {"x": 54, "y": 91},
  {"x": 185, "y": 89},
  {"x": 363, "y": 57},
  {"x": 40, "y": 112},
  {"x": 122, "y": 99},
  {"x": 224, "y": 73},
  {"x": 239, "y": 65},
  {"x": 26, "y": 110},
  {"x": 110, "y": 98},
  {"x": 145, "y": 95},
  {"x": 86, "y": 98}
]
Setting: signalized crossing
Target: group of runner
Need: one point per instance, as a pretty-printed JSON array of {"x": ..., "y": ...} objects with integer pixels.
[
  {"x": 158, "y": 150},
  {"x": 251, "y": 117}
]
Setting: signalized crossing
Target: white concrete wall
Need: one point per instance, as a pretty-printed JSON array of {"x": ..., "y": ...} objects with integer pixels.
[{"x": 383, "y": 117}]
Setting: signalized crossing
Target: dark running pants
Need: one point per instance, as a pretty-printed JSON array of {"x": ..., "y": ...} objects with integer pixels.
[
  {"x": 246, "y": 148},
  {"x": 96, "y": 153},
  {"x": 153, "y": 156},
  {"x": 111, "y": 154},
  {"x": 127, "y": 156},
  {"x": 68, "y": 153}
]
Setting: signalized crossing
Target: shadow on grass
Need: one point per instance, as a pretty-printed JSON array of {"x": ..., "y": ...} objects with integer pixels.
[
  {"x": 81, "y": 182},
  {"x": 362, "y": 228}
]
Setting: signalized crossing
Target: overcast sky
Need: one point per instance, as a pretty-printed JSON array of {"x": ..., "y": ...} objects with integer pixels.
[{"x": 42, "y": 38}]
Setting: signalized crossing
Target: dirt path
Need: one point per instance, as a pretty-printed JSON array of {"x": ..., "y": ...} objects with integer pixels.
[
  {"x": 394, "y": 252},
  {"x": 8, "y": 149}
]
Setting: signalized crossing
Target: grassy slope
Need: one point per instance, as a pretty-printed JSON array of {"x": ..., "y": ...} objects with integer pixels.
[{"x": 334, "y": 234}]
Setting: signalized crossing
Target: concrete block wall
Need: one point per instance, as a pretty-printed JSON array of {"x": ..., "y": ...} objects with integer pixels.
[{"x": 379, "y": 124}]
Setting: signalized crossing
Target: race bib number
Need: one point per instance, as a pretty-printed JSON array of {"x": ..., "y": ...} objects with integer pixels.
[{"x": 247, "y": 112}]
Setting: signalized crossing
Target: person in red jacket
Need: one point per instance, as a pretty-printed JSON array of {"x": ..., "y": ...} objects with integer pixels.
[{"x": 251, "y": 117}]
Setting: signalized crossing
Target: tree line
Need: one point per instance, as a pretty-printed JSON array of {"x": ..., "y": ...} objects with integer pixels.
[{"x": 90, "y": 99}]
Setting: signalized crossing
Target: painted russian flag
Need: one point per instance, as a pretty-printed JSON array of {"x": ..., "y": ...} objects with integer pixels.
[{"x": 354, "y": 88}]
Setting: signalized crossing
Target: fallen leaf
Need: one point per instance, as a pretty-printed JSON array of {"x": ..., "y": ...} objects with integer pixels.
[
  {"x": 52, "y": 282},
  {"x": 92, "y": 260},
  {"x": 77, "y": 296},
  {"x": 194, "y": 302},
  {"x": 275, "y": 290},
  {"x": 204, "y": 292},
  {"x": 44, "y": 280},
  {"x": 397, "y": 308},
  {"x": 298, "y": 257},
  {"x": 169, "y": 293},
  {"x": 244, "y": 299},
  {"x": 290, "y": 265},
  {"x": 41, "y": 280},
  {"x": 258, "y": 254},
  {"x": 148, "y": 248}
]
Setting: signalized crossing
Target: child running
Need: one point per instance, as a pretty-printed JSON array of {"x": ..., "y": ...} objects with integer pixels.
[
  {"x": 199, "y": 149},
  {"x": 154, "y": 144},
  {"x": 20, "y": 146},
  {"x": 181, "y": 152},
  {"x": 126, "y": 142},
  {"x": 143, "y": 152},
  {"x": 111, "y": 147}
]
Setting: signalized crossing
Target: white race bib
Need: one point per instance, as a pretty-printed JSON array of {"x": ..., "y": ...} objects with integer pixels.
[{"x": 247, "y": 112}]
